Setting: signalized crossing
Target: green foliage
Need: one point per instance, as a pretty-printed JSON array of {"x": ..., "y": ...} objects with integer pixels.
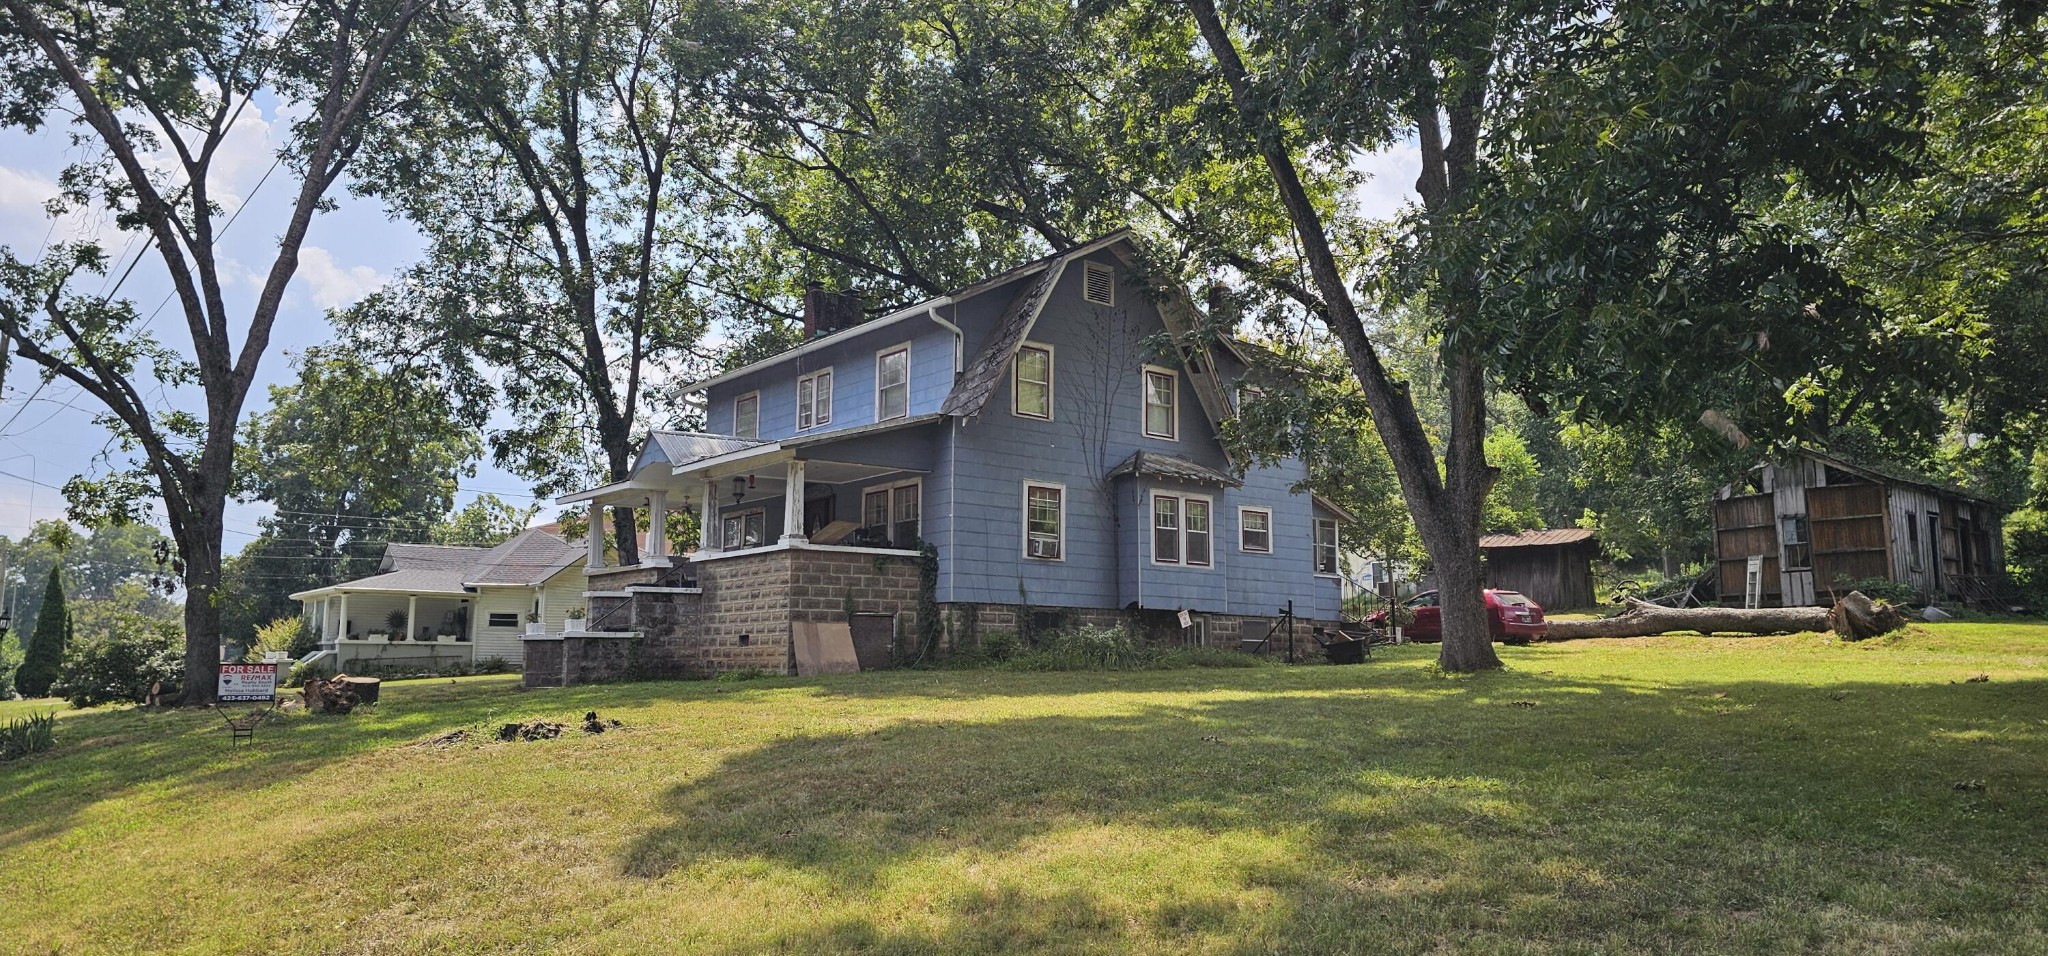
[
  {"x": 291, "y": 635},
  {"x": 1880, "y": 589},
  {"x": 94, "y": 564},
  {"x": 27, "y": 735},
  {"x": 1088, "y": 648},
  {"x": 1511, "y": 503},
  {"x": 43, "y": 654},
  {"x": 2026, "y": 550},
  {"x": 740, "y": 675},
  {"x": 121, "y": 662},
  {"x": 345, "y": 483},
  {"x": 999, "y": 645},
  {"x": 487, "y": 520},
  {"x": 301, "y": 673}
]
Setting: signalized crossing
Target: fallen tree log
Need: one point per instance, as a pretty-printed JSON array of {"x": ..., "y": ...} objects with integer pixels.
[{"x": 1854, "y": 617}]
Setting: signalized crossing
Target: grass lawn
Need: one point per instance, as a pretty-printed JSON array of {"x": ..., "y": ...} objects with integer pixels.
[{"x": 1761, "y": 795}]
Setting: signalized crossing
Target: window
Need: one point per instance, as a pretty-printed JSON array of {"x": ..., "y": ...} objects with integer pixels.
[
  {"x": 892, "y": 511},
  {"x": 1031, "y": 386},
  {"x": 745, "y": 530},
  {"x": 1326, "y": 546},
  {"x": 1243, "y": 394},
  {"x": 1045, "y": 521},
  {"x": 746, "y": 415},
  {"x": 892, "y": 383},
  {"x": 814, "y": 399},
  {"x": 1792, "y": 535},
  {"x": 1255, "y": 530},
  {"x": 1181, "y": 531},
  {"x": 505, "y": 619},
  {"x": 1098, "y": 283},
  {"x": 1912, "y": 541},
  {"x": 1165, "y": 529},
  {"x": 1162, "y": 403}
]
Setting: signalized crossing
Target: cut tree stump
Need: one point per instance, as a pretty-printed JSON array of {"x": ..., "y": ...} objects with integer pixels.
[{"x": 1854, "y": 617}]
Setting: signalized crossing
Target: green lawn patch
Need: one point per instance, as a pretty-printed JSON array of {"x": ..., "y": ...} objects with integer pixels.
[{"x": 1761, "y": 795}]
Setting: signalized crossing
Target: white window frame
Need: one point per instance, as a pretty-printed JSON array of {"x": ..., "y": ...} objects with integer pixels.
[
  {"x": 1315, "y": 544},
  {"x": 811, "y": 408},
  {"x": 1179, "y": 526},
  {"x": 1017, "y": 382},
  {"x": 1267, "y": 513},
  {"x": 490, "y": 616},
  {"x": 755, "y": 396},
  {"x": 1145, "y": 402},
  {"x": 888, "y": 490},
  {"x": 739, "y": 542},
  {"x": 1209, "y": 504},
  {"x": 879, "y": 356},
  {"x": 1061, "y": 538},
  {"x": 1181, "y": 499},
  {"x": 1089, "y": 270}
]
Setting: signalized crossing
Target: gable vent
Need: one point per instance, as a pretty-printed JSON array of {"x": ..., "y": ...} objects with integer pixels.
[{"x": 1098, "y": 284}]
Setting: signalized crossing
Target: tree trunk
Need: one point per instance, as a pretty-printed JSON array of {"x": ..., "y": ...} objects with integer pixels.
[
  {"x": 1855, "y": 617},
  {"x": 1467, "y": 637},
  {"x": 199, "y": 546}
]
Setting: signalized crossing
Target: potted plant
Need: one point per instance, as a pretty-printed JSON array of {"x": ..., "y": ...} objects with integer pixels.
[
  {"x": 533, "y": 625},
  {"x": 396, "y": 620},
  {"x": 575, "y": 619}
]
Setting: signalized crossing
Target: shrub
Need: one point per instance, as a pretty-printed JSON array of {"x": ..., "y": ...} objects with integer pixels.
[
  {"x": 288, "y": 634},
  {"x": 1000, "y": 645},
  {"x": 493, "y": 665},
  {"x": 32, "y": 734},
  {"x": 300, "y": 673},
  {"x": 121, "y": 663},
  {"x": 1088, "y": 649},
  {"x": 43, "y": 653}
]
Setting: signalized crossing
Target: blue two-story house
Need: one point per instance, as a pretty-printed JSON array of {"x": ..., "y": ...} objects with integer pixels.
[{"x": 1051, "y": 432}]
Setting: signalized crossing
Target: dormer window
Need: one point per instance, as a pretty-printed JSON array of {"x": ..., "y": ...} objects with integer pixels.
[
  {"x": 892, "y": 383},
  {"x": 1098, "y": 283},
  {"x": 746, "y": 415}
]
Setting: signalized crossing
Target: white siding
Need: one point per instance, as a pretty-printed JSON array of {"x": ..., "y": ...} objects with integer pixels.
[
  {"x": 504, "y": 642},
  {"x": 563, "y": 591}
]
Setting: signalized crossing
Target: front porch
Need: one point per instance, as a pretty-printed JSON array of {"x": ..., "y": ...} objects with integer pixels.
[
  {"x": 376, "y": 628},
  {"x": 741, "y": 610}
]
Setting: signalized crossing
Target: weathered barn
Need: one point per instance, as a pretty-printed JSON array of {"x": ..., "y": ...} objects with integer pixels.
[
  {"x": 1554, "y": 568},
  {"x": 1820, "y": 523}
]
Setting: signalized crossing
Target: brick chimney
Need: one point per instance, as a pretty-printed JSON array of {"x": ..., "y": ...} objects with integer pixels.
[{"x": 827, "y": 312}]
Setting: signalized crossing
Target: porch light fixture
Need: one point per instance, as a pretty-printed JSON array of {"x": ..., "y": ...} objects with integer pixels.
[{"x": 739, "y": 489}]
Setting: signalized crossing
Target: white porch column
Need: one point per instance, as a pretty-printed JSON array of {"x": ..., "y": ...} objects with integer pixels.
[
  {"x": 342, "y": 634},
  {"x": 793, "y": 505},
  {"x": 596, "y": 559},
  {"x": 657, "y": 524},
  {"x": 412, "y": 613},
  {"x": 707, "y": 521}
]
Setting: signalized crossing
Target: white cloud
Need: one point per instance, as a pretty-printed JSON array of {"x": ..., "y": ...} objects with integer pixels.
[
  {"x": 333, "y": 286},
  {"x": 1389, "y": 180}
]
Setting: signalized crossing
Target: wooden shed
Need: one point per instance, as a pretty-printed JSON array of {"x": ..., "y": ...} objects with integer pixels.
[
  {"x": 1820, "y": 523},
  {"x": 1554, "y": 568}
]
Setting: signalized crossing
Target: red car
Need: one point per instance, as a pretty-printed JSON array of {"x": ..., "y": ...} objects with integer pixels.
[{"x": 1512, "y": 618}]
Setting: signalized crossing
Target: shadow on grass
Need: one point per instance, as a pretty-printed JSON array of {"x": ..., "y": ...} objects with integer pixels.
[{"x": 1485, "y": 814}]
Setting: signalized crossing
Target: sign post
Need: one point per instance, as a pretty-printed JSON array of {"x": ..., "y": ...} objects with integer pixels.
[{"x": 247, "y": 683}]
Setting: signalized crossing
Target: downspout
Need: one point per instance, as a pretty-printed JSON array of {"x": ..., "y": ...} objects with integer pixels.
[{"x": 959, "y": 339}]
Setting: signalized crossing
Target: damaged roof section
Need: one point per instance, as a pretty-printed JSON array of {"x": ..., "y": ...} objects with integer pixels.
[{"x": 1151, "y": 464}]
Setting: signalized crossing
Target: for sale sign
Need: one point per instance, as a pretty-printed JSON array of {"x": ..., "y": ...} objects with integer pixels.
[{"x": 242, "y": 683}]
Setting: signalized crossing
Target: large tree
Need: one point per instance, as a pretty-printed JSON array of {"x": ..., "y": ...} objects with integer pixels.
[
  {"x": 149, "y": 83},
  {"x": 569, "y": 242},
  {"x": 343, "y": 483},
  {"x": 1591, "y": 184}
]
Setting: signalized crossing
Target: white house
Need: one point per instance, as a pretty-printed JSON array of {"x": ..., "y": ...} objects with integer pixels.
[{"x": 448, "y": 603}]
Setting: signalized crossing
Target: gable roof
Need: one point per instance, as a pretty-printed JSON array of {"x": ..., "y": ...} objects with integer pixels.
[
  {"x": 680, "y": 447},
  {"x": 530, "y": 557},
  {"x": 1891, "y": 474},
  {"x": 527, "y": 559},
  {"x": 971, "y": 392}
]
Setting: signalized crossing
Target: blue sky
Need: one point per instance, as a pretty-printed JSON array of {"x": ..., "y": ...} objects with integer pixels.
[
  {"x": 47, "y": 435},
  {"x": 348, "y": 253}
]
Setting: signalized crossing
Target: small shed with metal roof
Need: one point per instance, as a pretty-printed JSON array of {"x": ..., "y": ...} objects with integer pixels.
[{"x": 1553, "y": 567}]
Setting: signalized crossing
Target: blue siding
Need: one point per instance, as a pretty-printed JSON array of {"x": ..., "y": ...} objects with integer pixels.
[
  {"x": 853, "y": 380},
  {"x": 975, "y": 471}
]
